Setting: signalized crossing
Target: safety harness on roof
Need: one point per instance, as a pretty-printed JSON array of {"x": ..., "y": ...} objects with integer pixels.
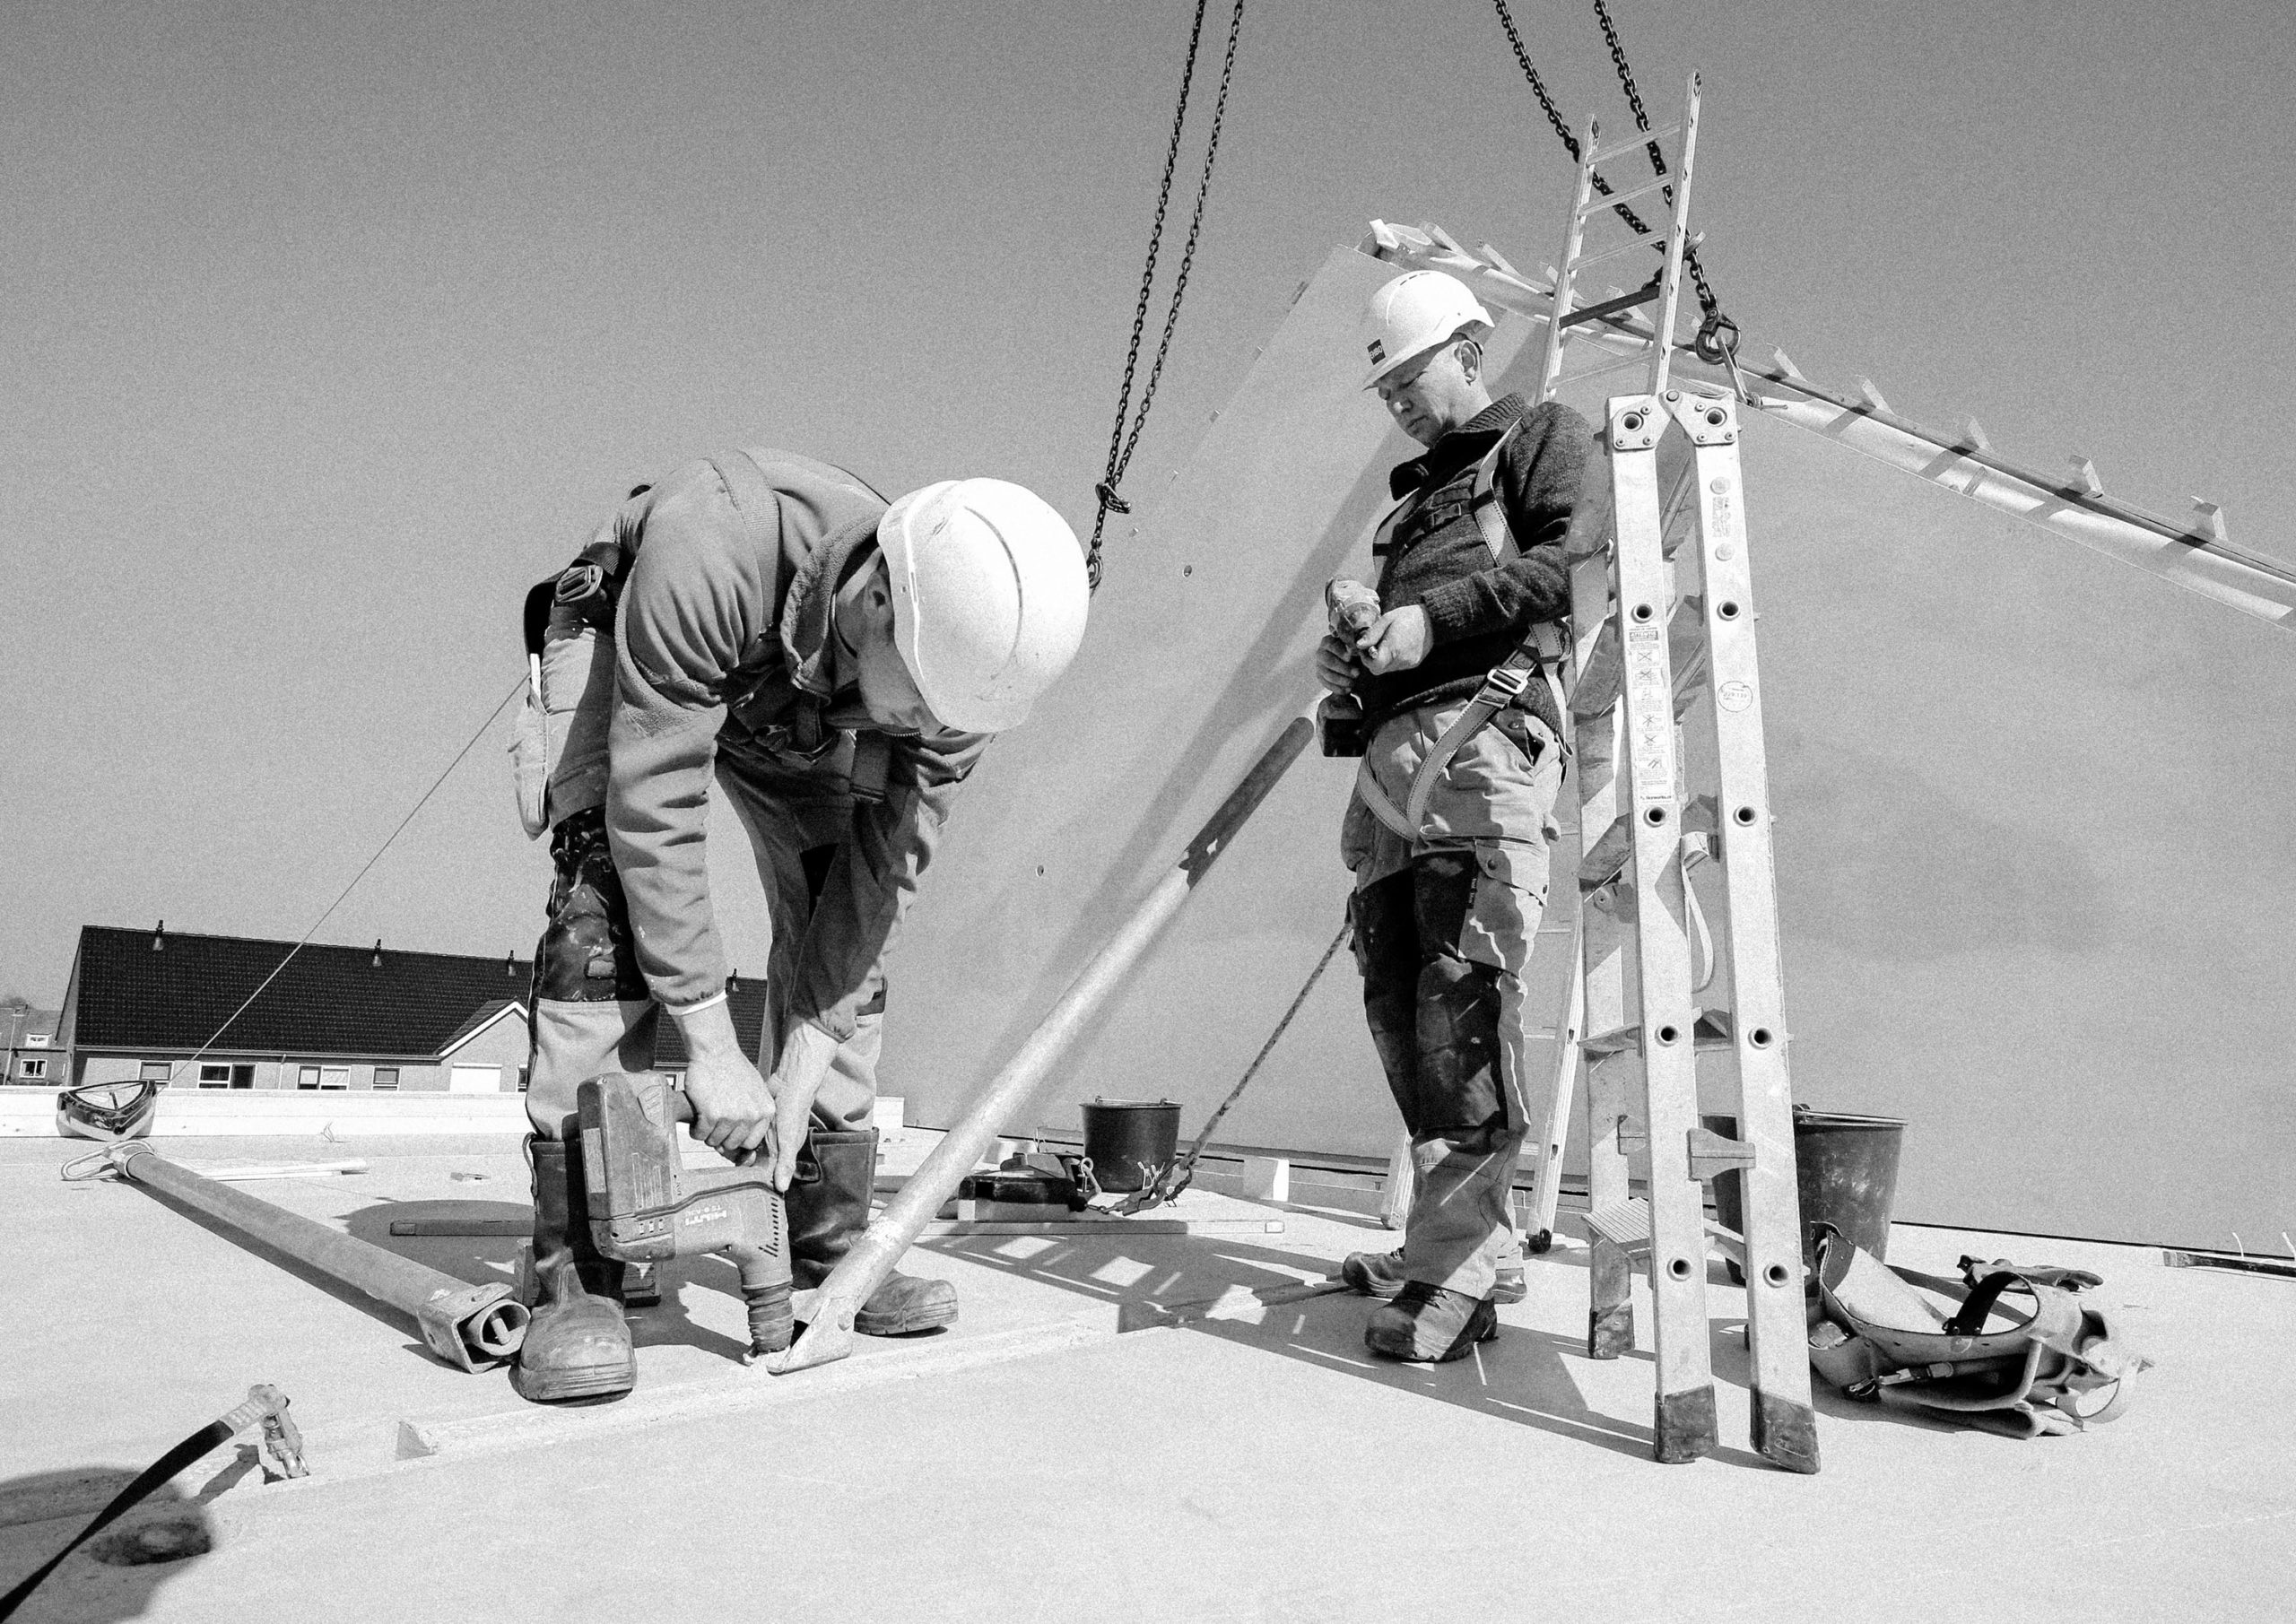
[{"x": 2057, "y": 1369}]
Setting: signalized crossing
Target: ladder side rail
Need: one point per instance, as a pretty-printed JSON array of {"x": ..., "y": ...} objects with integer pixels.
[
  {"x": 1678, "y": 229},
  {"x": 1784, "y": 1423},
  {"x": 1683, "y": 1414},
  {"x": 1596, "y": 725},
  {"x": 1573, "y": 240}
]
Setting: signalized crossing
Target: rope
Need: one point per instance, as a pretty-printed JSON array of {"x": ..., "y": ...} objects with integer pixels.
[
  {"x": 305, "y": 939},
  {"x": 1124, "y": 438},
  {"x": 1178, "y": 1178}
]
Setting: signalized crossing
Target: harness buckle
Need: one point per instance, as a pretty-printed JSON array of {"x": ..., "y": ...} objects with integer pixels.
[{"x": 1503, "y": 684}]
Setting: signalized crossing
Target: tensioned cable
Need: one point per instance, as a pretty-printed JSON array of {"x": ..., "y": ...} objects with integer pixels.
[
  {"x": 304, "y": 940},
  {"x": 1121, "y": 443}
]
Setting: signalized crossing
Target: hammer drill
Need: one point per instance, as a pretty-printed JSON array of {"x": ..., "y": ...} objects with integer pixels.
[
  {"x": 645, "y": 1207},
  {"x": 1350, "y": 608}
]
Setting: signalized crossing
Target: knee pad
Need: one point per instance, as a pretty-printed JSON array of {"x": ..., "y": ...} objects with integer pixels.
[
  {"x": 587, "y": 954},
  {"x": 1459, "y": 1083}
]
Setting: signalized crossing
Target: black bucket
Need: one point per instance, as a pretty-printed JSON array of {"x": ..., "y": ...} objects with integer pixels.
[
  {"x": 1130, "y": 1141},
  {"x": 1845, "y": 1168}
]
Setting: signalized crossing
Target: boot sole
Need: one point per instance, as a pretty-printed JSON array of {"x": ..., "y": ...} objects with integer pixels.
[{"x": 570, "y": 1387}]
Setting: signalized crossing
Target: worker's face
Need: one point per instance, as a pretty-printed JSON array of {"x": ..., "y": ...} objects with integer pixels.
[
  {"x": 1433, "y": 394},
  {"x": 865, "y": 619}
]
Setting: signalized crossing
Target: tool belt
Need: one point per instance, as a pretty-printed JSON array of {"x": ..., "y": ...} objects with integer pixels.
[
  {"x": 1502, "y": 686},
  {"x": 2058, "y": 1369}
]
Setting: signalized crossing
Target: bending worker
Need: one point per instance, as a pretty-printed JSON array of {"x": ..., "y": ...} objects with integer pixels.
[
  {"x": 835, "y": 665},
  {"x": 1470, "y": 562}
]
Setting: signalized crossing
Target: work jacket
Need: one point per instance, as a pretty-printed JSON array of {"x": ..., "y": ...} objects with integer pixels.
[
  {"x": 723, "y": 635},
  {"x": 1479, "y": 608}
]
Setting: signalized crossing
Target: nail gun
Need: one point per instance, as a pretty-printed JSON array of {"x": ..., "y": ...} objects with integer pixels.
[{"x": 645, "y": 1207}]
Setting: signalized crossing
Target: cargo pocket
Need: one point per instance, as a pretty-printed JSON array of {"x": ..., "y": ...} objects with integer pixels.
[
  {"x": 1510, "y": 895},
  {"x": 530, "y": 766}
]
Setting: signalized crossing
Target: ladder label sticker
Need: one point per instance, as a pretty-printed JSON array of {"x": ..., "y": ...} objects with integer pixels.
[
  {"x": 1734, "y": 696},
  {"x": 1649, "y": 714}
]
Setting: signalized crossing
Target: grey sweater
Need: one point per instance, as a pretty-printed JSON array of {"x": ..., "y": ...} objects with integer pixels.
[{"x": 1479, "y": 611}]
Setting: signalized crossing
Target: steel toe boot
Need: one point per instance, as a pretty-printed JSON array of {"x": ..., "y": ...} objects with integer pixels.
[
  {"x": 826, "y": 1216},
  {"x": 577, "y": 1345},
  {"x": 1429, "y": 1323},
  {"x": 1380, "y": 1274}
]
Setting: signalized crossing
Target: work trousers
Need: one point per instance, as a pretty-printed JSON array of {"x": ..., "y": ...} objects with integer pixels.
[
  {"x": 591, "y": 1012},
  {"x": 1444, "y": 923}
]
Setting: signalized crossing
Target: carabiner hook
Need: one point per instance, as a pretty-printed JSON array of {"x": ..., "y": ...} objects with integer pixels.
[{"x": 1716, "y": 344}]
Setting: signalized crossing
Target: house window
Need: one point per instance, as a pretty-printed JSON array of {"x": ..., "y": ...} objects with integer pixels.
[
  {"x": 36, "y": 1040},
  {"x": 336, "y": 1077},
  {"x": 386, "y": 1077},
  {"x": 152, "y": 1071},
  {"x": 307, "y": 1077},
  {"x": 34, "y": 1068},
  {"x": 226, "y": 1075}
]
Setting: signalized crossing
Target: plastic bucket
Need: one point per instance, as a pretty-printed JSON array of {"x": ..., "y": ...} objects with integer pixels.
[
  {"x": 1845, "y": 1168},
  {"x": 1130, "y": 1141}
]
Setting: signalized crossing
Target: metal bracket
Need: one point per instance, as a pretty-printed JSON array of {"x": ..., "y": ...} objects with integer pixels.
[
  {"x": 1709, "y": 420},
  {"x": 1711, "y": 1153},
  {"x": 476, "y": 1327},
  {"x": 1635, "y": 422}
]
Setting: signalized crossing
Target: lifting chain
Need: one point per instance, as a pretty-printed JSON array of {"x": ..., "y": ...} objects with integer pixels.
[
  {"x": 1718, "y": 336},
  {"x": 1122, "y": 439}
]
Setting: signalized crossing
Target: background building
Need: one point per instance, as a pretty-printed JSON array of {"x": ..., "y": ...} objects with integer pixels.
[{"x": 202, "y": 1011}]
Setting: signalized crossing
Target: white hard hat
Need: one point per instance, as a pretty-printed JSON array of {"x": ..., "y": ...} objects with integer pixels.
[
  {"x": 989, "y": 598},
  {"x": 1412, "y": 314}
]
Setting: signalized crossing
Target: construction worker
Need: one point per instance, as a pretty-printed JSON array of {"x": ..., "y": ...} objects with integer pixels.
[
  {"x": 835, "y": 665},
  {"x": 1470, "y": 561}
]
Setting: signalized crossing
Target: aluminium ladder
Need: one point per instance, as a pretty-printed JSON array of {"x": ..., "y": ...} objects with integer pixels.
[{"x": 1660, "y": 627}]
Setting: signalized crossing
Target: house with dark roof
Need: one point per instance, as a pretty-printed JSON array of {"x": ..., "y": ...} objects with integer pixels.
[
  {"x": 192, "y": 1010},
  {"x": 32, "y": 1056}
]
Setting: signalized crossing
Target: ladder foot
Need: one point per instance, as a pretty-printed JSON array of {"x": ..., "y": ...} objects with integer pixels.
[
  {"x": 1684, "y": 1427},
  {"x": 1784, "y": 1432},
  {"x": 1610, "y": 1332}
]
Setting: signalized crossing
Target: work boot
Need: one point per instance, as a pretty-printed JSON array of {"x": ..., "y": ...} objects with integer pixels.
[
  {"x": 1380, "y": 1274},
  {"x": 1430, "y": 1323},
  {"x": 826, "y": 1216},
  {"x": 576, "y": 1346}
]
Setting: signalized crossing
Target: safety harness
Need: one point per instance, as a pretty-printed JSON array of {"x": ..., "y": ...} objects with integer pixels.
[
  {"x": 1538, "y": 654},
  {"x": 2055, "y": 1369}
]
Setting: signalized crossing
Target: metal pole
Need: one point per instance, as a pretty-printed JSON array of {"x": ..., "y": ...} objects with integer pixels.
[
  {"x": 828, "y": 1329},
  {"x": 472, "y": 1326}
]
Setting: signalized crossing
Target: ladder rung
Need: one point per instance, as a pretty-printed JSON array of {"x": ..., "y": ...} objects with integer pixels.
[
  {"x": 1635, "y": 143},
  {"x": 1710, "y": 1031},
  {"x": 1611, "y": 200},
  {"x": 1620, "y": 364},
  {"x": 1627, "y": 1224},
  {"x": 1655, "y": 244},
  {"x": 1648, "y": 294}
]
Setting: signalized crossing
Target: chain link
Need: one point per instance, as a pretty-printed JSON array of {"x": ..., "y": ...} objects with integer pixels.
[
  {"x": 1706, "y": 301},
  {"x": 1121, "y": 440}
]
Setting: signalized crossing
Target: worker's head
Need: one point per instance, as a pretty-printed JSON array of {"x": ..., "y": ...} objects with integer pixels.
[
  {"x": 974, "y": 605},
  {"x": 1423, "y": 334}
]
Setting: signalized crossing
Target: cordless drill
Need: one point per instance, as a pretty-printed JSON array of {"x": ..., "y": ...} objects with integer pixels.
[
  {"x": 1350, "y": 607},
  {"x": 646, "y": 1208}
]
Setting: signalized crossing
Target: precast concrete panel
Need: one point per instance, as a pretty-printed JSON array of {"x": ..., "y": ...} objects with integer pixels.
[{"x": 2034, "y": 881}]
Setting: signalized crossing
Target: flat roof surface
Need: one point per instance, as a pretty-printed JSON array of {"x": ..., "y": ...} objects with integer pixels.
[{"x": 1040, "y": 1461}]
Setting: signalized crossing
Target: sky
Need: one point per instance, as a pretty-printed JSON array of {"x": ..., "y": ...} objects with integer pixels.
[{"x": 330, "y": 329}]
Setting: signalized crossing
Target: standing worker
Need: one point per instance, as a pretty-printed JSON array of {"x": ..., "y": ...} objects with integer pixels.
[
  {"x": 835, "y": 665},
  {"x": 1470, "y": 562}
]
